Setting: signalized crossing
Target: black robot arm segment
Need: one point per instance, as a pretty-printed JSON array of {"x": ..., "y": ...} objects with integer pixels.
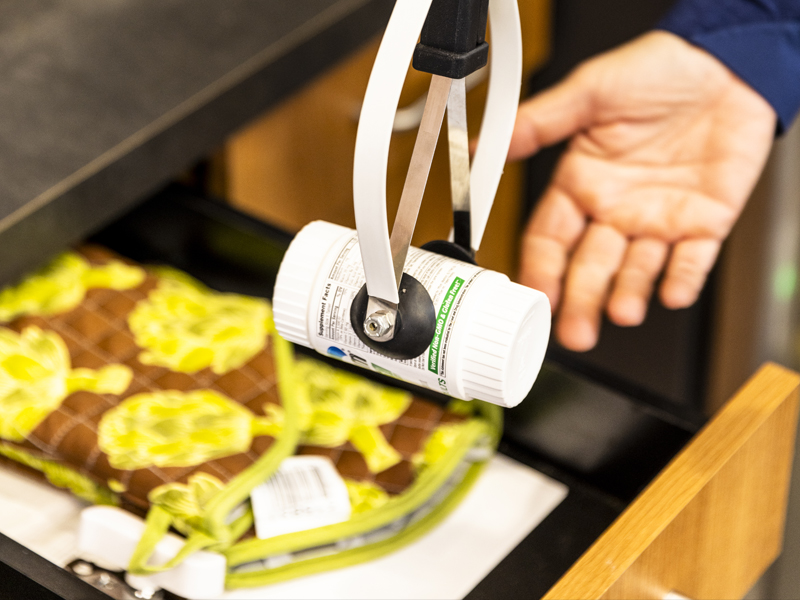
[{"x": 452, "y": 43}]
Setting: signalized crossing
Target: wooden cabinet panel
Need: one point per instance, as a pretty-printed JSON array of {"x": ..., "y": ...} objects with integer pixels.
[
  {"x": 712, "y": 522},
  {"x": 295, "y": 164}
]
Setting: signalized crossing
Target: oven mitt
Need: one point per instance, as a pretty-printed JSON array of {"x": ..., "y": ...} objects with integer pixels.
[{"x": 142, "y": 388}]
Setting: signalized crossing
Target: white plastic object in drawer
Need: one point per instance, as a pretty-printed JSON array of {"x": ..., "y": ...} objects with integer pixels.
[{"x": 108, "y": 537}]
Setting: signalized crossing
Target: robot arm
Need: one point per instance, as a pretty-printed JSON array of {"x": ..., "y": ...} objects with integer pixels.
[{"x": 430, "y": 318}]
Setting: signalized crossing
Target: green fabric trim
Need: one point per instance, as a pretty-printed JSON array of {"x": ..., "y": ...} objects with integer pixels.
[
  {"x": 186, "y": 502},
  {"x": 62, "y": 476},
  {"x": 242, "y": 524},
  {"x": 238, "y": 489},
  {"x": 156, "y": 527},
  {"x": 429, "y": 481},
  {"x": 215, "y": 531},
  {"x": 347, "y": 558}
]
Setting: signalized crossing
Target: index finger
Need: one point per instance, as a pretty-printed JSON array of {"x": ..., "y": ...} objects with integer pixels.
[
  {"x": 592, "y": 269},
  {"x": 551, "y": 116}
]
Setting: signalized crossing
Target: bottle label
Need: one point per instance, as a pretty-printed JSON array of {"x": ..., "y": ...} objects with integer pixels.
[
  {"x": 445, "y": 310},
  {"x": 446, "y": 280}
]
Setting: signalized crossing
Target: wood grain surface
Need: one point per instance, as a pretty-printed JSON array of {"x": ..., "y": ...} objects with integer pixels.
[
  {"x": 712, "y": 522},
  {"x": 295, "y": 164}
]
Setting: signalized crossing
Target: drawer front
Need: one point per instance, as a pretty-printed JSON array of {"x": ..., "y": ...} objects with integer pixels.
[{"x": 712, "y": 522}]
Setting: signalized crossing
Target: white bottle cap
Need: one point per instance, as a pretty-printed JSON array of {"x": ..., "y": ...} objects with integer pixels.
[
  {"x": 504, "y": 341},
  {"x": 297, "y": 277}
]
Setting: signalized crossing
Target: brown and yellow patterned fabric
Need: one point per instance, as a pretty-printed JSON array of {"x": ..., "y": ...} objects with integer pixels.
[
  {"x": 97, "y": 334},
  {"x": 128, "y": 385}
]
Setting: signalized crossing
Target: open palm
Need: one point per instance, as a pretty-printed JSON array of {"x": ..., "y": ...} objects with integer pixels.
[{"x": 667, "y": 145}]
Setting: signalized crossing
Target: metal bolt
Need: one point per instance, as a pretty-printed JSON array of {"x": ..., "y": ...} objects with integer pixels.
[
  {"x": 378, "y": 324},
  {"x": 82, "y": 569}
]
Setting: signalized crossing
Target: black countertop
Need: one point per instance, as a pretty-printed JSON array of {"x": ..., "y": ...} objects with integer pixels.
[{"x": 103, "y": 101}]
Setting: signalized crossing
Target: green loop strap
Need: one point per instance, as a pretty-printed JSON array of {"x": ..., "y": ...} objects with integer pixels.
[
  {"x": 215, "y": 532},
  {"x": 156, "y": 527}
]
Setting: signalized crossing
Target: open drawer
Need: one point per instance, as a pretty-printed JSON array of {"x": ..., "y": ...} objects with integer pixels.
[{"x": 709, "y": 520}]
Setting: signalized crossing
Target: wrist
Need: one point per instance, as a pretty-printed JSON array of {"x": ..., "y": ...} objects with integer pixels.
[{"x": 760, "y": 46}]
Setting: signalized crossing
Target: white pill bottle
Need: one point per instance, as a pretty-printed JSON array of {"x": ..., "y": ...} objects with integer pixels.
[{"x": 491, "y": 334}]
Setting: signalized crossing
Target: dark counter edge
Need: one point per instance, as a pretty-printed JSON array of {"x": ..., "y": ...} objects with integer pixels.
[
  {"x": 80, "y": 207},
  {"x": 26, "y": 575}
]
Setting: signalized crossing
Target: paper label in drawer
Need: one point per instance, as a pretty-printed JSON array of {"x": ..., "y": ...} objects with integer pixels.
[{"x": 304, "y": 493}]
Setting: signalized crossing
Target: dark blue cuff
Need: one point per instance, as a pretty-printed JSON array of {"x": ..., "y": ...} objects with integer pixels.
[{"x": 759, "y": 40}]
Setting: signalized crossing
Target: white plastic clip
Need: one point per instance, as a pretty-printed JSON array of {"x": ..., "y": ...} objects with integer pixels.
[{"x": 108, "y": 537}]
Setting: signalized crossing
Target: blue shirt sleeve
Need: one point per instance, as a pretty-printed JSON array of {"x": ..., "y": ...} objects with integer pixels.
[{"x": 759, "y": 40}]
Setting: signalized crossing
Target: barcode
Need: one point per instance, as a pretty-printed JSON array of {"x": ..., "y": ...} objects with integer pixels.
[
  {"x": 305, "y": 492},
  {"x": 297, "y": 491}
]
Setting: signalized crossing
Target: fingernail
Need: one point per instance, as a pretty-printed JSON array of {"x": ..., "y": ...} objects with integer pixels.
[
  {"x": 577, "y": 334},
  {"x": 677, "y": 296},
  {"x": 627, "y": 311}
]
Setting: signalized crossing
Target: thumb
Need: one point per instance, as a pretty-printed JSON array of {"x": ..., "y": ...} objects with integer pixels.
[{"x": 552, "y": 116}]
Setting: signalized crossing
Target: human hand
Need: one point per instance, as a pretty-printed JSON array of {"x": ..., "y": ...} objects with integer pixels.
[{"x": 667, "y": 145}]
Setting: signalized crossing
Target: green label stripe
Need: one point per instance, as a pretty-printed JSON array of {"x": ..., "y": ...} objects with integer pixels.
[{"x": 441, "y": 321}]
